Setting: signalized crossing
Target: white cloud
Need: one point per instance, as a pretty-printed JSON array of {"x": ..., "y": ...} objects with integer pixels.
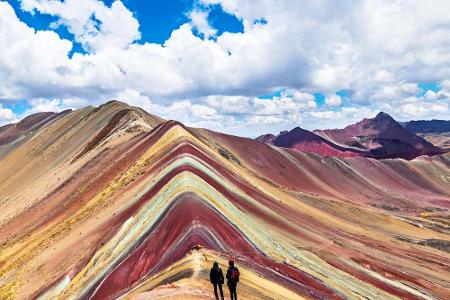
[
  {"x": 420, "y": 108},
  {"x": 45, "y": 105},
  {"x": 135, "y": 98},
  {"x": 445, "y": 85},
  {"x": 94, "y": 25},
  {"x": 266, "y": 120},
  {"x": 298, "y": 96},
  {"x": 383, "y": 76},
  {"x": 6, "y": 115},
  {"x": 378, "y": 50},
  {"x": 281, "y": 110},
  {"x": 392, "y": 92},
  {"x": 333, "y": 100},
  {"x": 29, "y": 60},
  {"x": 230, "y": 104},
  {"x": 346, "y": 52},
  {"x": 337, "y": 119},
  {"x": 199, "y": 21}
]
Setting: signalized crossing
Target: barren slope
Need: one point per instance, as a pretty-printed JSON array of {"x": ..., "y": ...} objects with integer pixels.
[{"x": 111, "y": 202}]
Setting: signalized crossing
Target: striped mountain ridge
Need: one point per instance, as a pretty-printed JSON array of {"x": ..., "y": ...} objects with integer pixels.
[
  {"x": 112, "y": 202},
  {"x": 380, "y": 137}
]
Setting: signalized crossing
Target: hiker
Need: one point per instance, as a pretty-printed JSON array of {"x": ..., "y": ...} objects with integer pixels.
[
  {"x": 232, "y": 279},
  {"x": 216, "y": 277}
]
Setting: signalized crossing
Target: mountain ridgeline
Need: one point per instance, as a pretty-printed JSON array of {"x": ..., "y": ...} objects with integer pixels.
[
  {"x": 379, "y": 137},
  {"x": 432, "y": 126}
]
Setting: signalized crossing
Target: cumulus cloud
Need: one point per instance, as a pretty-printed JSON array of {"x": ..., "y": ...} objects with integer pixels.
[
  {"x": 280, "y": 110},
  {"x": 326, "y": 119},
  {"x": 377, "y": 50},
  {"x": 94, "y": 25},
  {"x": 45, "y": 105},
  {"x": 420, "y": 108},
  {"x": 29, "y": 59},
  {"x": 6, "y": 115},
  {"x": 390, "y": 92},
  {"x": 199, "y": 21},
  {"x": 333, "y": 100}
]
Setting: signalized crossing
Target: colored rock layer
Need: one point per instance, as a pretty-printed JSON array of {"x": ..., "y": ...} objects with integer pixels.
[
  {"x": 306, "y": 141},
  {"x": 380, "y": 137},
  {"x": 441, "y": 140},
  {"x": 111, "y": 202}
]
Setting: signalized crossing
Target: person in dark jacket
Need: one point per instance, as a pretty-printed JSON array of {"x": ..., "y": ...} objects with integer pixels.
[
  {"x": 232, "y": 279},
  {"x": 216, "y": 277}
]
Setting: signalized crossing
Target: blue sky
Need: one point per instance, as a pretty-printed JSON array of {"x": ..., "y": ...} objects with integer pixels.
[
  {"x": 157, "y": 19},
  {"x": 245, "y": 67}
]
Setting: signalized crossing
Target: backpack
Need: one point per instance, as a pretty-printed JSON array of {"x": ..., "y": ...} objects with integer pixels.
[{"x": 234, "y": 275}]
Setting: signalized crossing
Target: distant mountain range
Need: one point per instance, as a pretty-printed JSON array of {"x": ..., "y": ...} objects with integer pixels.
[
  {"x": 436, "y": 132},
  {"x": 379, "y": 137},
  {"x": 432, "y": 126}
]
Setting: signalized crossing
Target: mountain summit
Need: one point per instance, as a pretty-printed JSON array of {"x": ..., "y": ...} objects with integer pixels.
[
  {"x": 382, "y": 137},
  {"x": 378, "y": 137}
]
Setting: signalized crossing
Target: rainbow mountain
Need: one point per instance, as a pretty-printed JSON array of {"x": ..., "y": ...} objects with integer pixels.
[{"x": 111, "y": 202}]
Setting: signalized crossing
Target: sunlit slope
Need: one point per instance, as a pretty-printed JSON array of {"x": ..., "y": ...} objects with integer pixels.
[{"x": 110, "y": 202}]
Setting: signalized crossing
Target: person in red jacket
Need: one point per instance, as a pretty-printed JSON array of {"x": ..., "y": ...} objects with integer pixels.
[
  {"x": 216, "y": 277},
  {"x": 232, "y": 279}
]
